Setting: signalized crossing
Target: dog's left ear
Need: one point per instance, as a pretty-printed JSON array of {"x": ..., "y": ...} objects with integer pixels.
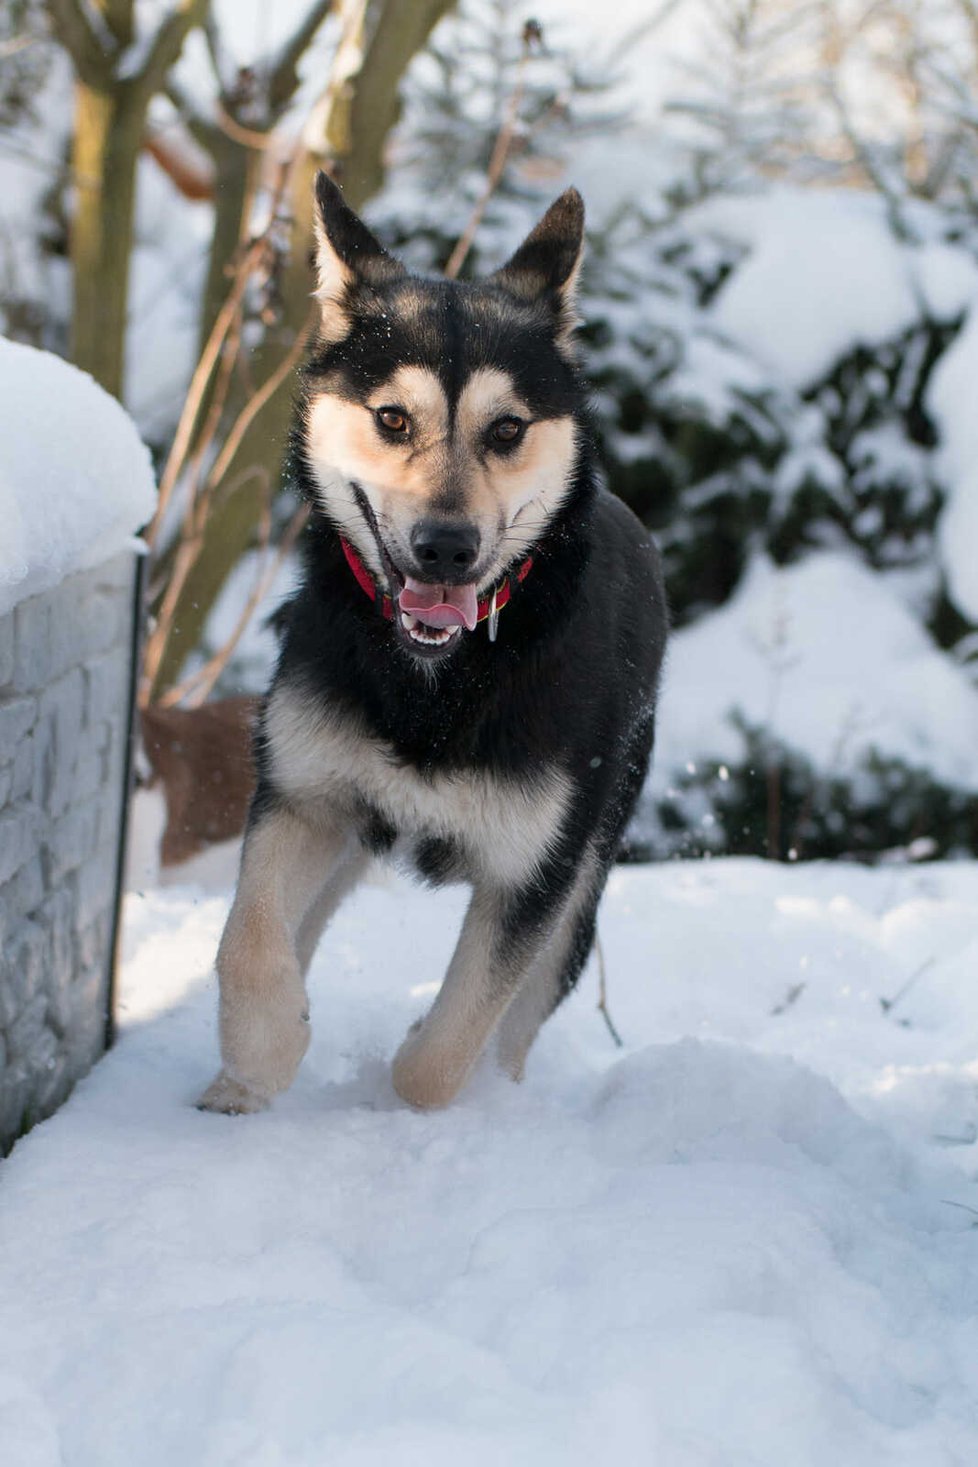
[
  {"x": 348, "y": 258},
  {"x": 547, "y": 263}
]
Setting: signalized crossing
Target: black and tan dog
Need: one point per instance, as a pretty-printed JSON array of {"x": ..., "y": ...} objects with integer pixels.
[{"x": 469, "y": 671}]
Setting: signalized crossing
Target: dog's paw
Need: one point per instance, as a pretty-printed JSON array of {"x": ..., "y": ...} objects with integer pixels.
[
  {"x": 263, "y": 1042},
  {"x": 423, "y": 1077},
  {"x": 228, "y": 1097}
]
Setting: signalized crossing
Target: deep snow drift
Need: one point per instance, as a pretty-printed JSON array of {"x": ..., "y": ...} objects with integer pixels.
[{"x": 700, "y": 1252}]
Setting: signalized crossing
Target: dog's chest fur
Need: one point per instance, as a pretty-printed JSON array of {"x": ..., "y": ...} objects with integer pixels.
[{"x": 461, "y": 824}]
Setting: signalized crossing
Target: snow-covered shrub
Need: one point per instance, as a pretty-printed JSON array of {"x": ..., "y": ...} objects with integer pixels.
[
  {"x": 749, "y": 403},
  {"x": 813, "y": 714},
  {"x": 775, "y": 800},
  {"x": 26, "y": 60}
]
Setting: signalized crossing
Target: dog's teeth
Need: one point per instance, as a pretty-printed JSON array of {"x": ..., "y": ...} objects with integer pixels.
[{"x": 427, "y": 636}]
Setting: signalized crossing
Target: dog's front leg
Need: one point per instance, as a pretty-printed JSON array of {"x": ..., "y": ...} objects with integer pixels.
[
  {"x": 494, "y": 949},
  {"x": 264, "y": 1016}
]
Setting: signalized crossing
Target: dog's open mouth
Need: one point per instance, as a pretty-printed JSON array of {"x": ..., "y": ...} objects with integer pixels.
[{"x": 433, "y": 616}]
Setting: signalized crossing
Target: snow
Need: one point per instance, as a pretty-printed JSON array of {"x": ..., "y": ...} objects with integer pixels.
[
  {"x": 826, "y": 274},
  {"x": 824, "y": 655},
  {"x": 951, "y": 401},
  {"x": 746, "y": 1238},
  {"x": 76, "y": 482}
]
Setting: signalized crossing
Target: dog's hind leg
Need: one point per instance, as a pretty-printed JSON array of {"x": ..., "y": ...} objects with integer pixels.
[
  {"x": 286, "y": 864},
  {"x": 503, "y": 936},
  {"x": 554, "y": 972},
  {"x": 437, "y": 1055},
  {"x": 558, "y": 966}
]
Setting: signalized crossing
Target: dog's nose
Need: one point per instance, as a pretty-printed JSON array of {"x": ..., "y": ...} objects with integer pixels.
[{"x": 445, "y": 548}]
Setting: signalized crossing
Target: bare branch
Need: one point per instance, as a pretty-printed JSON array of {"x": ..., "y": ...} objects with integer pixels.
[
  {"x": 74, "y": 30},
  {"x": 193, "y": 179},
  {"x": 167, "y": 44},
  {"x": 283, "y": 77},
  {"x": 497, "y": 163},
  {"x": 197, "y": 125},
  {"x": 603, "y": 1009},
  {"x": 258, "y": 400},
  {"x": 222, "y": 63},
  {"x": 248, "y": 137},
  {"x": 864, "y": 156},
  {"x": 641, "y": 32},
  {"x": 197, "y": 688},
  {"x": 15, "y": 45},
  {"x": 205, "y": 368}
]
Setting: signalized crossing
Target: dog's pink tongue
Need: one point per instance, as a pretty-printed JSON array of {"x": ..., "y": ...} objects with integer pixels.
[{"x": 440, "y": 606}]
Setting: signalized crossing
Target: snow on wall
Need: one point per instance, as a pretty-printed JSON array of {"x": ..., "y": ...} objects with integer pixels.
[{"x": 76, "y": 481}]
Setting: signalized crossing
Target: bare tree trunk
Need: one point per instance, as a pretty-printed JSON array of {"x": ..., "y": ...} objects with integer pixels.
[
  {"x": 354, "y": 132},
  {"x": 108, "y": 134},
  {"x": 235, "y": 167},
  {"x": 111, "y": 101}
]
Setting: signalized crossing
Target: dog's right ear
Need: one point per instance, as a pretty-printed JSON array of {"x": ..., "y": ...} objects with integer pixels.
[
  {"x": 348, "y": 258},
  {"x": 547, "y": 263}
]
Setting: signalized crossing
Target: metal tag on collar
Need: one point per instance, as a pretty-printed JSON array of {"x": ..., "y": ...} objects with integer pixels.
[{"x": 492, "y": 624}]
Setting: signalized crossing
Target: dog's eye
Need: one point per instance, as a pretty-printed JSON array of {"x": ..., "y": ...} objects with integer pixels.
[
  {"x": 507, "y": 431},
  {"x": 394, "y": 419}
]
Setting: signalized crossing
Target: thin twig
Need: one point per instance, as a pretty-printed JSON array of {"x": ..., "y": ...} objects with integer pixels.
[
  {"x": 889, "y": 1004},
  {"x": 15, "y": 45},
  {"x": 792, "y": 996},
  {"x": 229, "y": 355},
  {"x": 195, "y": 396},
  {"x": 255, "y": 403},
  {"x": 200, "y": 684},
  {"x": 248, "y": 137},
  {"x": 603, "y": 992},
  {"x": 950, "y": 1202},
  {"x": 192, "y": 541},
  {"x": 499, "y": 157},
  {"x": 252, "y": 257}
]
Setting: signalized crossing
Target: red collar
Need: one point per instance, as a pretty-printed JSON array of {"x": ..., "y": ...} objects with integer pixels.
[{"x": 368, "y": 585}]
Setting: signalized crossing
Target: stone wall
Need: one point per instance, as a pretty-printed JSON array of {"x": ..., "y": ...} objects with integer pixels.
[{"x": 65, "y": 698}]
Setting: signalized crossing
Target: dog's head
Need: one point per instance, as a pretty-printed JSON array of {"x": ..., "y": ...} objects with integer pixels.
[{"x": 440, "y": 428}]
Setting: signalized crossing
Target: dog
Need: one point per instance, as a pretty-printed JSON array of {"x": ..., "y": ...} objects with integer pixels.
[{"x": 469, "y": 670}]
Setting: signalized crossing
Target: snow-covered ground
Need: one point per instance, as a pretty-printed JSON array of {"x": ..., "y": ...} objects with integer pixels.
[{"x": 748, "y": 1238}]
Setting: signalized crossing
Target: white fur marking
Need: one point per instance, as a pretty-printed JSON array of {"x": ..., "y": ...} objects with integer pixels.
[{"x": 505, "y": 827}]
